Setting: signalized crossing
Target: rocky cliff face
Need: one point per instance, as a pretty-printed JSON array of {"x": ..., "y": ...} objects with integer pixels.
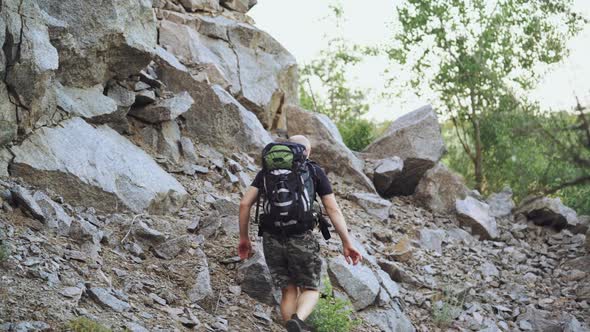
[{"x": 127, "y": 135}]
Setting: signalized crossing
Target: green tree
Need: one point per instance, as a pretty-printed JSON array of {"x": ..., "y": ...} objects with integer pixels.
[
  {"x": 479, "y": 56},
  {"x": 336, "y": 98}
]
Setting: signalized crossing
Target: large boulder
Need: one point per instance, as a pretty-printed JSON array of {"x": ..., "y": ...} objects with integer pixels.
[
  {"x": 547, "y": 211},
  {"x": 476, "y": 215},
  {"x": 96, "y": 167},
  {"x": 113, "y": 39},
  {"x": 385, "y": 172},
  {"x": 358, "y": 281},
  {"x": 327, "y": 146},
  {"x": 88, "y": 103},
  {"x": 501, "y": 204},
  {"x": 415, "y": 138},
  {"x": 373, "y": 204},
  {"x": 215, "y": 117},
  {"x": 255, "y": 279},
  {"x": 29, "y": 61},
  {"x": 439, "y": 188},
  {"x": 259, "y": 72}
]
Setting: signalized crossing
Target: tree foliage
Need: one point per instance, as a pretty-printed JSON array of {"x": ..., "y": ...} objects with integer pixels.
[
  {"x": 480, "y": 56},
  {"x": 533, "y": 152},
  {"x": 335, "y": 97}
]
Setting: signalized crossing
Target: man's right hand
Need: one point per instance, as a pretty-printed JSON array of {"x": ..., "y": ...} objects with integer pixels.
[{"x": 244, "y": 248}]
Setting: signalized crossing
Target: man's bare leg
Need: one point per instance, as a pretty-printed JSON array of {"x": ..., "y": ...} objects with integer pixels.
[
  {"x": 306, "y": 302},
  {"x": 289, "y": 301}
]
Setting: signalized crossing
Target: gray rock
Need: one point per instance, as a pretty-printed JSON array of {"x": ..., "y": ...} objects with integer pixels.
[
  {"x": 359, "y": 282},
  {"x": 388, "y": 320},
  {"x": 169, "y": 142},
  {"x": 573, "y": 325},
  {"x": 81, "y": 230},
  {"x": 88, "y": 103},
  {"x": 439, "y": 188},
  {"x": 386, "y": 172},
  {"x": 105, "y": 298},
  {"x": 476, "y": 215},
  {"x": 136, "y": 250},
  {"x": 26, "y": 201},
  {"x": 327, "y": 146},
  {"x": 143, "y": 232},
  {"x": 134, "y": 327},
  {"x": 255, "y": 280},
  {"x": 201, "y": 288},
  {"x": 5, "y": 160},
  {"x": 164, "y": 109},
  {"x": 102, "y": 169},
  {"x": 397, "y": 272},
  {"x": 501, "y": 204},
  {"x": 549, "y": 212},
  {"x": 373, "y": 204},
  {"x": 588, "y": 240},
  {"x": 254, "y": 67},
  {"x": 416, "y": 139},
  {"x": 539, "y": 320},
  {"x": 489, "y": 270},
  {"x": 8, "y": 120},
  {"x": 172, "y": 248},
  {"x": 201, "y": 5},
  {"x": 26, "y": 326},
  {"x": 145, "y": 97},
  {"x": 29, "y": 69},
  {"x": 55, "y": 216},
  {"x": 121, "y": 95},
  {"x": 226, "y": 207},
  {"x": 215, "y": 118},
  {"x": 389, "y": 285},
  {"x": 93, "y": 49},
  {"x": 241, "y": 6},
  {"x": 432, "y": 239}
]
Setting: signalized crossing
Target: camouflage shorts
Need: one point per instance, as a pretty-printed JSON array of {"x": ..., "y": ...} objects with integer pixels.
[{"x": 293, "y": 260}]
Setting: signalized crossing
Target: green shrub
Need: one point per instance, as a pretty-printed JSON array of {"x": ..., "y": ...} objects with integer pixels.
[
  {"x": 357, "y": 133},
  {"x": 83, "y": 324},
  {"x": 445, "y": 311},
  {"x": 332, "y": 314}
]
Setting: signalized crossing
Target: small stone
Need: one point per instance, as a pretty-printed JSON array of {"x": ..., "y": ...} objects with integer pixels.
[
  {"x": 157, "y": 299},
  {"x": 105, "y": 298}
]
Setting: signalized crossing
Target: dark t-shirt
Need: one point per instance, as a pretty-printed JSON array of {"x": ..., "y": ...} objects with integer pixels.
[{"x": 321, "y": 182}]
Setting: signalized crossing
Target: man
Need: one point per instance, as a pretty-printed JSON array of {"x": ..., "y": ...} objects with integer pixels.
[{"x": 294, "y": 262}]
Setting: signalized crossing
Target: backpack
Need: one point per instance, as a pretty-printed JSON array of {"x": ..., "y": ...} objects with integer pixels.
[{"x": 288, "y": 190}]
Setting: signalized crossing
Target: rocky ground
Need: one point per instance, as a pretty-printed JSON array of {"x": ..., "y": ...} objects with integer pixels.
[
  {"x": 126, "y": 139},
  {"x": 178, "y": 272}
]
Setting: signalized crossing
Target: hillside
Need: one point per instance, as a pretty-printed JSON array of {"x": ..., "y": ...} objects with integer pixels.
[{"x": 129, "y": 132}]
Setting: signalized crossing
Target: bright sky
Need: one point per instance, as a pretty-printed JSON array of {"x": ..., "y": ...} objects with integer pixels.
[{"x": 299, "y": 26}]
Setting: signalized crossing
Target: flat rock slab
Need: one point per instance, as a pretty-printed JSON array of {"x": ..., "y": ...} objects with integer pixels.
[
  {"x": 359, "y": 281},
  {"x": 255, "y": 279},
  {"x": 164, "y": 109},
  {"x": 549, "y": 212},
  {"x": 96, "y": 167},
  {"x": 105, "y": 298},
  {"x": 373, "y": 204},
  {"x": 476, "y": 214}
]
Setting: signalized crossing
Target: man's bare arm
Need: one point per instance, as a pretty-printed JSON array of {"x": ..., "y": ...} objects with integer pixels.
[
  {"x": 245, "y": 205},
  {"x": 245, "y": 247},
  {"x": 351, "y": 254},
  {"x": 337, "y": 218}
]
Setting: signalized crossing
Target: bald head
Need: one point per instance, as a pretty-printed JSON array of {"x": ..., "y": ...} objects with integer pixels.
[{"x": 303, "y": 141}]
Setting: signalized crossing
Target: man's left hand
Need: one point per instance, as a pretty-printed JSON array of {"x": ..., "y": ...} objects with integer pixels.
[{"x": 352, "y": 255}]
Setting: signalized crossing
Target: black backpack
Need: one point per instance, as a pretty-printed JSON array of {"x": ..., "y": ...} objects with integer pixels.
[{"x": 288, "y": 190}]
